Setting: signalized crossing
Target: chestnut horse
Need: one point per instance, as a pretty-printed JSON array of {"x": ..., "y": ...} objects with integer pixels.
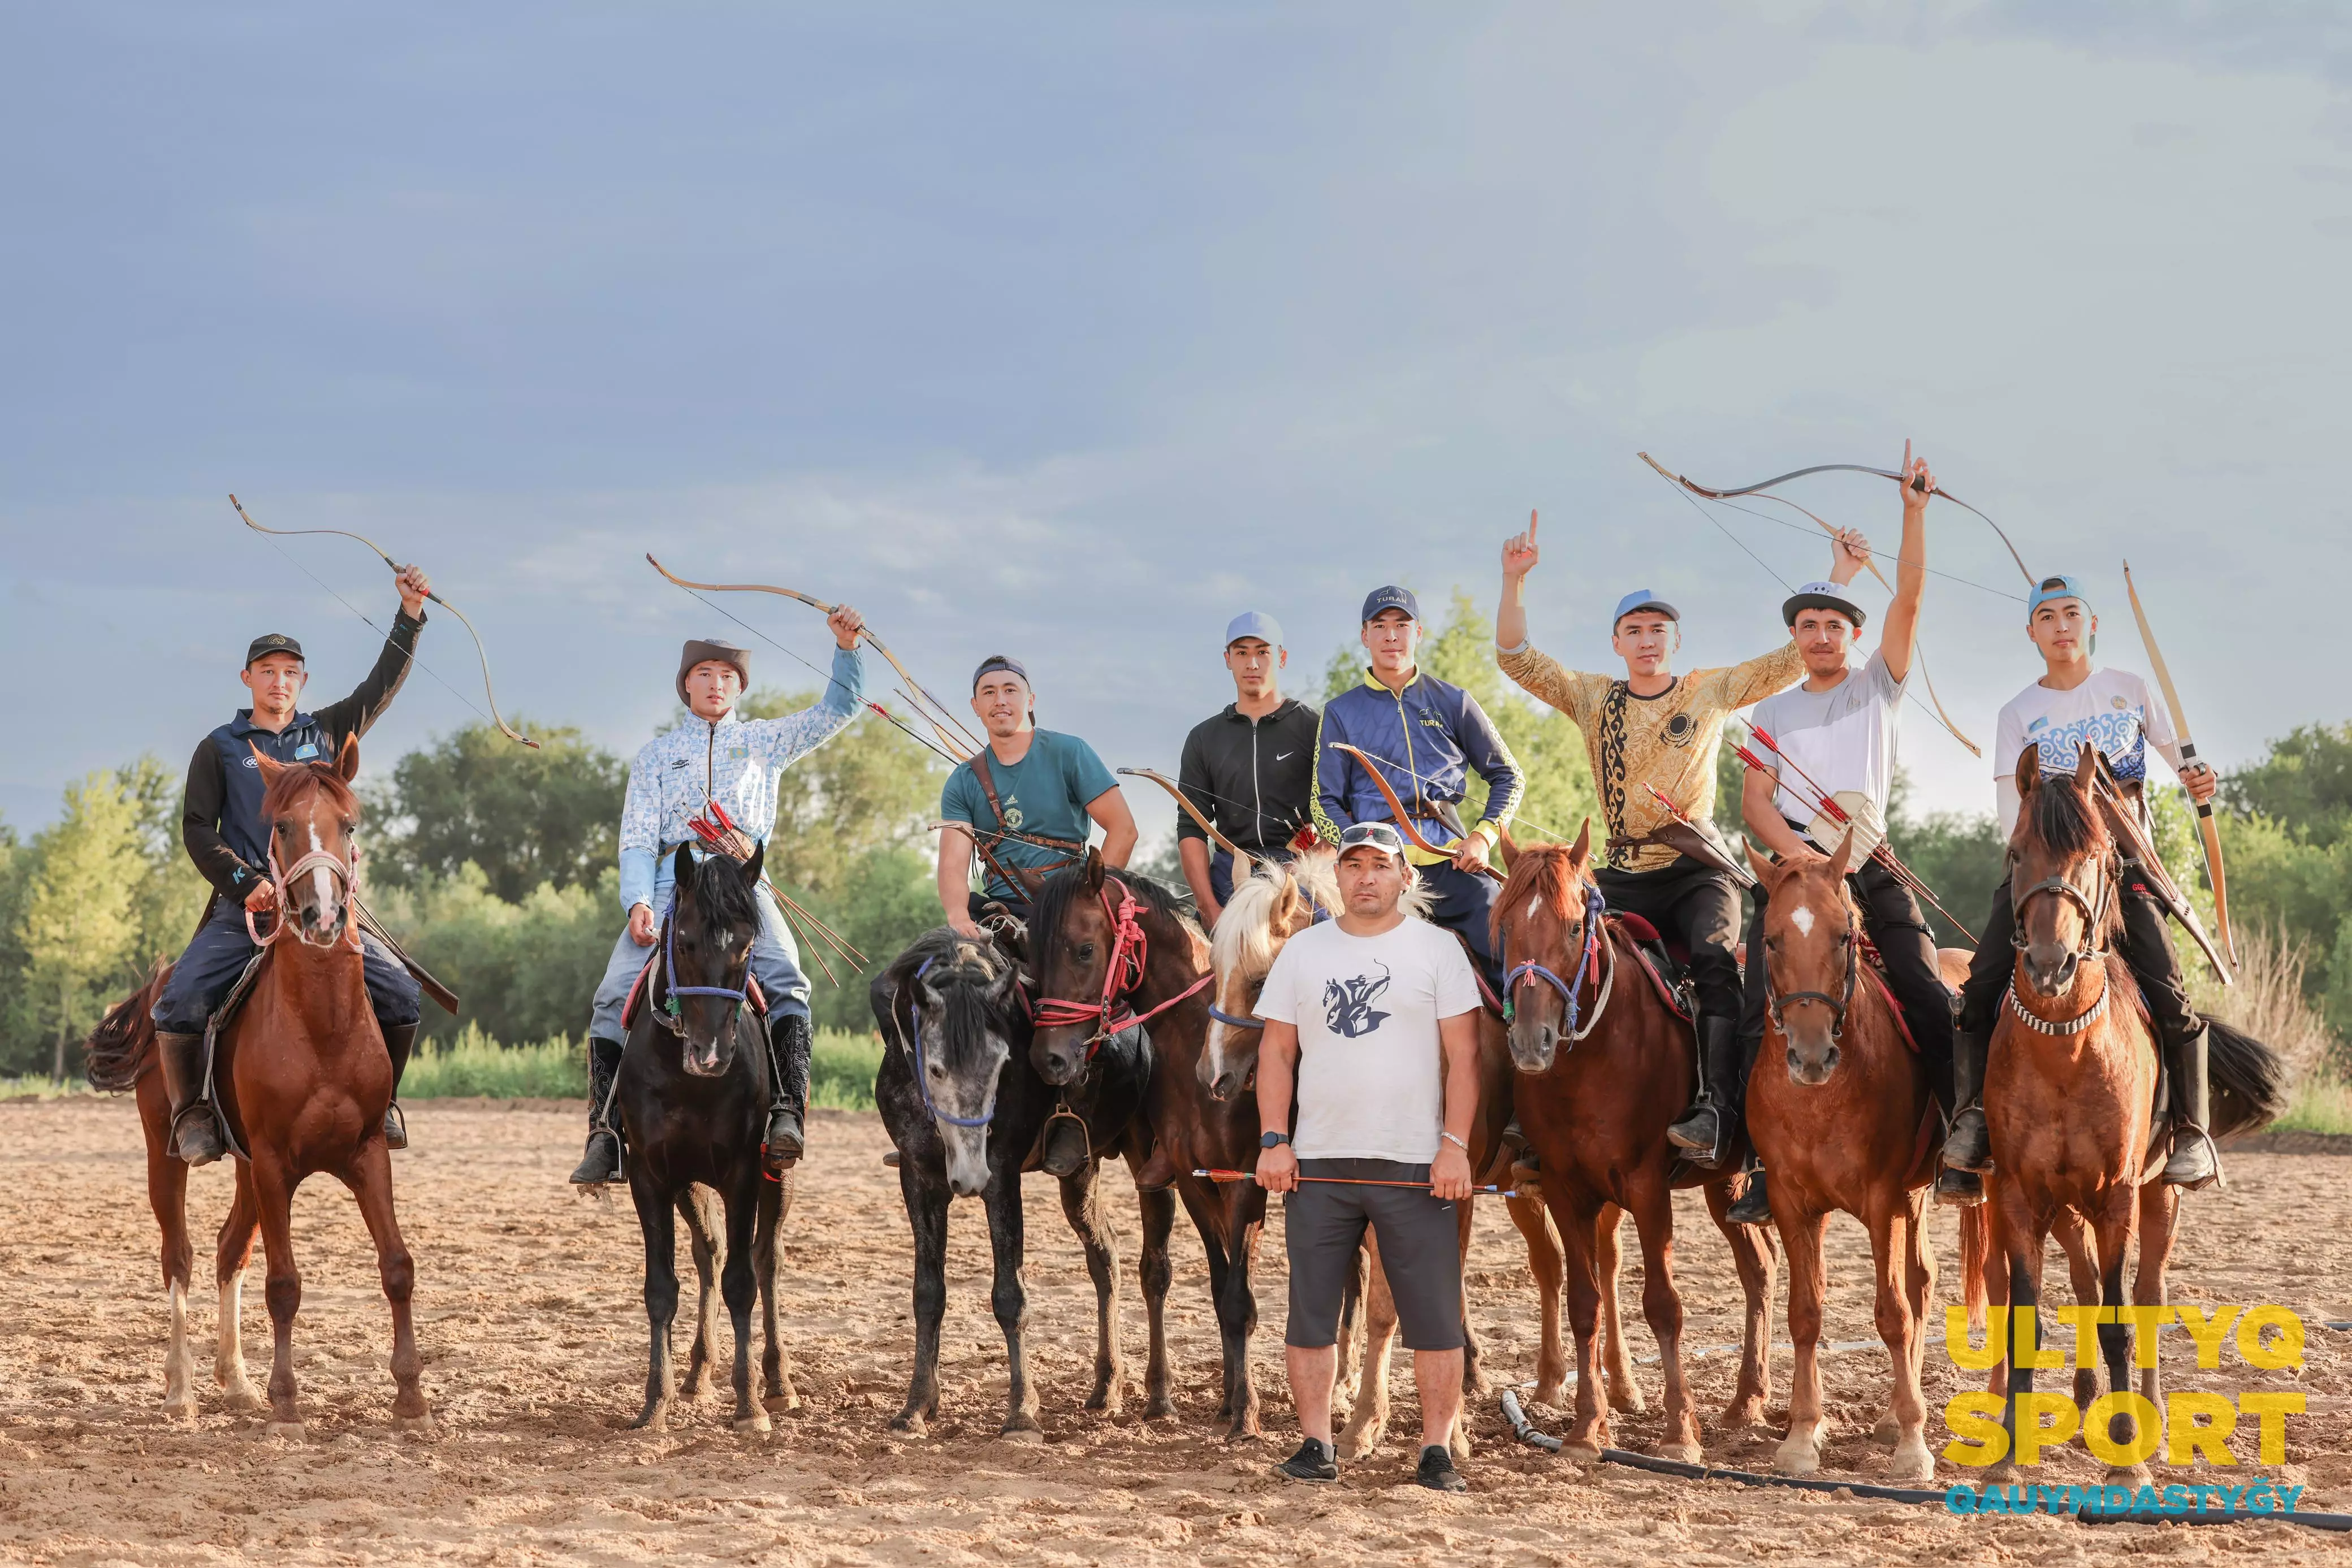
[
  {"x": 1604, "y": 1064},
  {"x": 2070, "y": 1100},
  {"x": 1851, "y": 1126},
  {"x": 301, "y": 1078},
  {"x": 1271, "y": 905}
]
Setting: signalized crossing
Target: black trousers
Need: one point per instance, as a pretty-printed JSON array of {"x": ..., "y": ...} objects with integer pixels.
[
  {"x": 1696, "y": 905},
  {"x": 1891, "y": 918},
  {"x": 2146, "y": 946}
]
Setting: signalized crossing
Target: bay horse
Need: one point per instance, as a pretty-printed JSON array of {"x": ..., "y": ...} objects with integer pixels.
[
  {"x": 1269, "y": 906},
  {"x": 1605, "y": 1062},
  {"x": 302, "y": 1081},
  {"x": 692, "y": 1099},
  {"x": 1850, "y": 1126},
  {"x": 2071, "y": 1083}
]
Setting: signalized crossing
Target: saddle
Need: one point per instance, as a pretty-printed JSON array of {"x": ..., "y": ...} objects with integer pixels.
[
  {"x": 1666, "y": 963},
  {"x": 644, "y": 983}
]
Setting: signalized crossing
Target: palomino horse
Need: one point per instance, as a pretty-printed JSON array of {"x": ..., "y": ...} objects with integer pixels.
[
  {"x": 1850, "y": 1126},
  {"x": 1267, "y": 908},
  {"x": 301, "y": 1078},
  {"x": 1604, "y": 1064},
  {"x": 2070, "y": 1102},
  {"x": 692, "y": 1094}
]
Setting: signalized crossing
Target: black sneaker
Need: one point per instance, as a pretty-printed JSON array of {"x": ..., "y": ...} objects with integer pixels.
[
  {"x": 1313, "y": 1462},
  {"x": 1437, "y": 1472}
]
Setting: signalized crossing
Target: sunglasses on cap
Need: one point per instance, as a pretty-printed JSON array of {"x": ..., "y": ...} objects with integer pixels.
[{"x": 1379, "y": 835}]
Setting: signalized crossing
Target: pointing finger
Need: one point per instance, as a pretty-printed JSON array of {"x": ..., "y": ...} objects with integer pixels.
[{"x": 1531, "y": 525}]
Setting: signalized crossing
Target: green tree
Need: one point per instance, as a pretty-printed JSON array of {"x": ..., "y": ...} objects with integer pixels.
[
  {"x": 170, "y": 898},
  {"x": 2305, "y": 780},
  {"x": 80, "y": 927},
  {"x": 526, "y": 818}
]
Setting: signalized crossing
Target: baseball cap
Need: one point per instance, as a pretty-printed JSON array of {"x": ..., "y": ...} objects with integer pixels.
[
  {"x": 1820, "y": 596},
  {"x": 1390, "y": 598},
  {"x": 1642, "y": 599},
  {"x": 1000, "y": 661},
  {"x": 1255, "y": 623},
  {"x": 1379, "y": 835},
  {"x": 2050, "y": 588},
  {"x": 271, "y": 643}
]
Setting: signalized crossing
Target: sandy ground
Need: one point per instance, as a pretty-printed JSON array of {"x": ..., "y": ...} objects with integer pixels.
[{"x": 532, "y": 1334}]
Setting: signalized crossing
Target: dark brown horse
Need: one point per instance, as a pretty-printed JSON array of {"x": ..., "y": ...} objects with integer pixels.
[
  {"x": 303, "y": 1080},
  {"x": 1840, "y": 1109},
  {"x": 1599, "y": 1079}
]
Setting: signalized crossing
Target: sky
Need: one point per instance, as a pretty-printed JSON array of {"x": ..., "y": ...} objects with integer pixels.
[{"x": 1070, "y": 331}]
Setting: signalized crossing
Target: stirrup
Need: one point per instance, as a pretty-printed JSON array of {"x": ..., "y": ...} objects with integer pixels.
[
  {"x": 199, "y": 1122},
  {"x": 783, "y": 1146},
  {"x": 1981, "y": 1165},
  {"x": 1959, "y": 1188},
  {"x": 589, "y": 1172},
  {"x": 1704, "y": 1105},
  {"x": 395, "y": 1127},
  {"x": 2196, "y": 1137}
]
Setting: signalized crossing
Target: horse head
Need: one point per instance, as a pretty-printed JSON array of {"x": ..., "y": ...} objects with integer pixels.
[
  {"x": 706, "y": 941},
  {"x": 1271, "y": 905},
  {"x": 313, "y": 819},
  {"x": 1540, "y": 924},
  {"x": 1073, "y": 940},
  {"x": 965, "y": 995},
  {"x": 1812, "y": 948},
  {"x": 2062, "y": 875}
]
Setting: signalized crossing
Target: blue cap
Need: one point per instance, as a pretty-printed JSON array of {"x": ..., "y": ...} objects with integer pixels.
[
  {"x": 1255, "y": 623},
  {"x": 1390, "y": 598},
  {"x": 2050, "y": 588},
  {"x": 1642, "y": 599},
  {"x": 999, "y": 662}
]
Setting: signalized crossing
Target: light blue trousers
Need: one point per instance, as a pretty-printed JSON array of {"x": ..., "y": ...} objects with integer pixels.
[{"x": 775, "y": 959}]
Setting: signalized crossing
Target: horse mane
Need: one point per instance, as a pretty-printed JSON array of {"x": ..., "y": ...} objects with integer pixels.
[
  {"x": 120, "y": 1047},
  {"x": 963, "y": 972},
  {"x": 1542, "y": 872},
  {"x": 296, "y": 776},
  {"x": 2060, "y": 816},
  {"x": 725, "y": 894}
]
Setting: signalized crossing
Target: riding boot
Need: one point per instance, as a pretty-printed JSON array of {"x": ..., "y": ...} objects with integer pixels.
[
  {"x": 196, "y": 1125},
  {"x": 2195, "y": 1163},
  {"x": 788, "y": 1086},
  {"x": 399, "y": 1040},
  {"x": 1751, "y": 1207},
  {"x": 1706, "y": 1128},
  {"x": 1063, "y": 1148},
  {"x": 1968, "y": 1147},
  {"x": 602, "y": 1163}
]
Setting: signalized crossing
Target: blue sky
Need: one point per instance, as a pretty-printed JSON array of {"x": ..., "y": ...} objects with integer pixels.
[{"x": 1071, "y": 330}]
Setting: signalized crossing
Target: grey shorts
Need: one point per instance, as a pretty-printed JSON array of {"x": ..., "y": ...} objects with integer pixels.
[{"x": 1420, "y": 1252}]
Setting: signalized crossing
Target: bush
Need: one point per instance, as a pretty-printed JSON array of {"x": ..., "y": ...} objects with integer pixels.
[{"x": 841, "y": 1069}]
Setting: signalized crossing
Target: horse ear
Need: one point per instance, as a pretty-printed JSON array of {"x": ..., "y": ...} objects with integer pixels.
[
  {"x": 681, "y": 867},
  {"x": 752, "y": 867},
  {"x": 1844, "y": 857},
  {"x": 270, "y": 768},
  {"x": 2028, "y": 771},
  {"x": 2086, "y": 768},
  {"x": 347, "y": 760},
  {"x": 1092, "y": 873},
  {"x": 1509, "y": 846},
  {"x": 1764, "y": 869},
  {"x": 1582, "y": 851}
]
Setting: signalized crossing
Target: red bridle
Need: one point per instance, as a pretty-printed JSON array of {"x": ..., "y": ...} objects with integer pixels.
[{"x": 1129, "y": 951}]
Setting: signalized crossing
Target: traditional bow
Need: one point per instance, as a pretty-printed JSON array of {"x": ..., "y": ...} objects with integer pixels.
[
  {"x": 2208, "y": 831},
  {"x": 479, "y": 650},
  {"x": 960, "y": 745},
  {"x": 1403, "y": 819}
]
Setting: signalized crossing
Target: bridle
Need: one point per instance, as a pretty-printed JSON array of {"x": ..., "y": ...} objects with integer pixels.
[
  {"x": 347, "y": 873},
  {"x": 1529, "y": 972},
  {"x": 672, "y": 1017},
  {"x": 1778, "y": 1005},
  {"x": 1129, "y": 952},
  {"x": 922, "y": 1068},
  {"x": 2094, "y": 912}
]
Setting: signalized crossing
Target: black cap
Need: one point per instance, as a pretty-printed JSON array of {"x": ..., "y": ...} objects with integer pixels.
[{"x": 272, "y": 642}]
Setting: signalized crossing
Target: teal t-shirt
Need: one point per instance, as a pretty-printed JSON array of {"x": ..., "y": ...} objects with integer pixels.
[{"x": 1044, "y": 793}]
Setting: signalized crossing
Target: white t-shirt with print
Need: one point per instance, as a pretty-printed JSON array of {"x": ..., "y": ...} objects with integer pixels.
[
  {"x": 2112, "y": 710},
  {"x": 1842, "y": 739},
  {"x": 1371, "y": 1075}
]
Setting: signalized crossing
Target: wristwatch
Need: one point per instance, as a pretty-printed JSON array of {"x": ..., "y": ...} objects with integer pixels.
[{"x": 1269, "y": 1140}]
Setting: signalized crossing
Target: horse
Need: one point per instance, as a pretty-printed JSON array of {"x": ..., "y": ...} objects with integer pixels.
[
  {"x": 1600, "y": 1078},
  {"x": 1269, "y": 906},
  {"x": 692, "y": 1096},
  {"x": 2069, "y": 1097},
  {"x": 1850, "y": 1126}
]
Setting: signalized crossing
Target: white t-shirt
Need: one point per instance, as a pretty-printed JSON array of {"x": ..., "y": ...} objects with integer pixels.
[
  {"x": 2112, "y": 710},
  {"x": 1842, "y": 739},
  {"x": 1371, "y": 1075}
]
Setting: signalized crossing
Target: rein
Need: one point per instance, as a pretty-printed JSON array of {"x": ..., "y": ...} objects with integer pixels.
[
  {"x": 346, "y": 873},
  {"x": 1129, "y": 952},
  {"x": 1777, "y": 1004},
  {"x": 1529, "y": 972},
  {"x": 2094, "y": 914},
  {"x": 672, "y": 1017},
  {"x": 922, "y": 1068}
]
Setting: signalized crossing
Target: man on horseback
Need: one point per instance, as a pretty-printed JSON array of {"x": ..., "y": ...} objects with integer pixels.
[
  {"x": 714, "y": 757},
  {"x": 1834, "y": 733},
  {"x": 1250, "y": 770},
  {"x": 1651, "y": 735},
  {"x": 2075, "y": 704},
  {"x": 1025, "y": 803},
  {"x": 1427, "y": 736},
  {"x": 221, "y": 827}
]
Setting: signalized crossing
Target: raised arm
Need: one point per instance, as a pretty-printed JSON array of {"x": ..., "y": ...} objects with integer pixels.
[
  {"x": 357, "y": 713},
  {"x": 1519, "y": 558},
  {"x": 1898, "y": 638}
]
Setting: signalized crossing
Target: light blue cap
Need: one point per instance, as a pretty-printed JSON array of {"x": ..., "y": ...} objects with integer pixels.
[
  {"x": 1255, "y": 623},
  {"x": 2050, "y": 588},
  {"x": 1642, "y": 599}
]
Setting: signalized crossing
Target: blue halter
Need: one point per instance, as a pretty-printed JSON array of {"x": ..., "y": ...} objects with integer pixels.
[
  {"x": 1594, "y": 906},
  {"x": 669, "y": 976},
  {"x": 922, "y": 1073}
]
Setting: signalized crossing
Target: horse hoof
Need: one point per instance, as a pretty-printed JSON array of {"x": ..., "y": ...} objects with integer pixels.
[
  {"x": 2134, "y": 1476},
  {"x": 653, "y": 1419},
  {"x": 2000, "y": 1472},
  {"x": 784, "y": 1403},
  {"x": 1461, "y": 1440},
  {"x": 1548, "y": 1394},
  {"x": 289, "y": 1431},
  {"x": 181, "y": 1412},
  {"x": 1911, "y": 1462},
  {"x": 1626, "y": 1399},
  {"x": 1027, "y": 1432},
  {"x": 1579, "y": 1448},
  {"x": 1795, "y": 1458},
  {"x": 907, "y": 1423},
  {"x": 756, "y": 1422},
  {"x": 1887, "y": 1433},
  {"x": 416, "y": 1425},
  {"x": 242, "y": 1397},
  {"x": 1683, "y": 1453},
  {"x": 1161, "y": 1408},
  {"x": 1356, "y": 1445},
  {"x": 1741, "y": 1417}
]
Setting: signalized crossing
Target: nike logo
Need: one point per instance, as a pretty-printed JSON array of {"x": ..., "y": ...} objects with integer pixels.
[{"x": 1280, "y": 755}]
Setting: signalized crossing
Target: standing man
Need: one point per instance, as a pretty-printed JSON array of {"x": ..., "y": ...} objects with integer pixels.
[
  {"x": 2073, "y": 706},
  {"x": 1250, "y": 770},
  {"x": 1425, "y": 736},
  {"x": 713, "y": 755},
  {"x": 1025, "y": 801},
  {"x": 221, "y": 827},
  {"x": 1653, "y": 729},
  {"x": 1836, "y": 732},
  {"x": 1373, "y": 1016}
]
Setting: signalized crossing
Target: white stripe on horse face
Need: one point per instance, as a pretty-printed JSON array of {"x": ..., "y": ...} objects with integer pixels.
[
  {"x": 1802, "y": 917},
  {"x": 319, "y": 881},
  {"x": 1533, "y": 904}
]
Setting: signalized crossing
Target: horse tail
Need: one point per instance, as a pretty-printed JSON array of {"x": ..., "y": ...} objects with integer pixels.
[
  {"x": 2248, "y": 1080},
  {"x": 119, "y": 1050},
  {"x": 1976, "y": 1242}
]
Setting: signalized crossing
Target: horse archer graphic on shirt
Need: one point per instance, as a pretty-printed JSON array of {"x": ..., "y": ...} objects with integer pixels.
[{"x": 1347, "y": 1009}]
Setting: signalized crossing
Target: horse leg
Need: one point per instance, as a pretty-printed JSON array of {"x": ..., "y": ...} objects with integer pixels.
[
  {"x": 2082, "y": 1270},
  {"x": 233, "y": 1252},
  {"x": 1474, "y": 1384},
  {"x": 1368, "y": 1422},
  {"x": 1579, "y": 1235},
  {"x": 1901, "y": 1328},
  {"x": 927, "y": 1216},
  {"x": 738, "y": 1283},
  {"x": 2159, "y": 1219},
  {"x": 1209, "y": 1221},
  {"x": 775, "y": 1367},
  {"x": 2019, "y": 1241},
  {"x": 1010, "y": 1300},
  {"x": 1153, "y": 1273},
  {"x": 274, "y": 1200},
  {"x": 1799, "y": 1453},
  {"x": 167, "y": 1195},
  {"x": 2114, "y": 1229},
  {"x": 697, "y": 1206},
  {"x": 1624, "y": 1392},
  {"x": 1347, "y": 1379},
  {"x": 1544, "y": 1263},
  {"x": 1653, "y": 1223},
  {"x": 1082, "y": 1206},
  {"x": 1752, "y": 1257},
  {"x": 1237, "y": 1303},
  {"x": 656, "y": 1219},
  {"x": 369, "y": 1176}
]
